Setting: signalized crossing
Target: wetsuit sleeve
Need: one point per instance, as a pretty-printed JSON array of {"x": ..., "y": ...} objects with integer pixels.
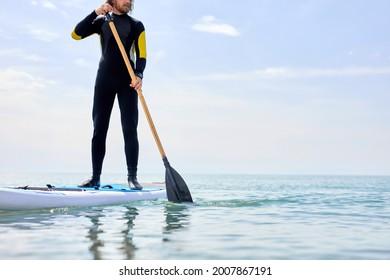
[
  {"x": 87, "y": 27},
  {"x": 140, "y": 49}
]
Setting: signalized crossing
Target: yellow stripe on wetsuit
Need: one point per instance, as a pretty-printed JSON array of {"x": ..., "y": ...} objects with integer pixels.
[
  {"x": 142, "y": 45},
  {"x": 75, "y": 36}
]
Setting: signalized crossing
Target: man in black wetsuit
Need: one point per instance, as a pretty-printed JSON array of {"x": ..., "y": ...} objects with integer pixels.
[{"x": 113, "y": 80}]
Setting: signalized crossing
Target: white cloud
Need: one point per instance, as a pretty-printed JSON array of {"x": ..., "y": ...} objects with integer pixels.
[
  {"x": 49, "y": 5},
  {"x": 82, "y": 62},
  {"x": 212, "y": 25},
  {"x": 157, "y": 56},
  {"x": 12, "y": 80},
  {"x": 36, "y": 126},
  {"x": 42, "y": 34},
  {"x": 5, "y": 36},
  {"x": 21, "y": 54},
  {"x": 296, "y": 73},
  {"x": 79, "y": 4},
  {"x": 280, "y": 72},
  {"x": 45, "y": 4}
]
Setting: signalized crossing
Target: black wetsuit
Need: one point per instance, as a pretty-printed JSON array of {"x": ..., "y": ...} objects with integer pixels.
[{"x": 113, "y": 80}]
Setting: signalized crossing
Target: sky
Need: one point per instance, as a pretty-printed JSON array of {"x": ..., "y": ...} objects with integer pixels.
[{"x": 250, "y": 87}]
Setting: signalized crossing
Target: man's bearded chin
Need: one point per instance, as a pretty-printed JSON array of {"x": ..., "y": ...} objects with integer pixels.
[{"x": 124, "y": 9}]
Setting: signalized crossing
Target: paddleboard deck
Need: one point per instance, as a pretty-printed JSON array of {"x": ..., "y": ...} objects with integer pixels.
[{"x": 49, "y": 197}]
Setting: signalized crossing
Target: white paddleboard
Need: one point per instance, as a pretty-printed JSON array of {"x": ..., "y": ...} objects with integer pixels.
[{"x": 33, "y": 198}]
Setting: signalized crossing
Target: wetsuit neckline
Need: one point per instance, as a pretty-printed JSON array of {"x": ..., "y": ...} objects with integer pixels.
[{"x": 117, "y": 15}]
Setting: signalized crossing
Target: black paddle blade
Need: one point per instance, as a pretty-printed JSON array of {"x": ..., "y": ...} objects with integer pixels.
[{"x": 177, "y": 190}]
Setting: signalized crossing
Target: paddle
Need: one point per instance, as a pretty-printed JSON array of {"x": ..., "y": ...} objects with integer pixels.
[{"x": 177, "y": 190}]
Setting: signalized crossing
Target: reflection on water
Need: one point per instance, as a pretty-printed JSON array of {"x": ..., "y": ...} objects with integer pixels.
[
  {"x": 128, "y": 246},
  {"x": 25, "y": 220},
  {"x": 93, "y": 234},
  {"x": 176, "y": 218},
  {"x": 97, "y": 233}
]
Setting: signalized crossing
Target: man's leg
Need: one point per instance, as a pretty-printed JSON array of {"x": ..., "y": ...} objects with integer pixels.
[
  {"x": 128, "y": 104},
  {"x": 101, "y": 113}
]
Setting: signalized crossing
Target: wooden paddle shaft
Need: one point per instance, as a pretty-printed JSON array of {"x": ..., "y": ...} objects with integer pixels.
[{"x": 139, "y": 92}]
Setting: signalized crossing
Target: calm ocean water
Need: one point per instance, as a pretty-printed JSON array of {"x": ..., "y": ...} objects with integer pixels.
[{"x": 234, "y": 217}]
